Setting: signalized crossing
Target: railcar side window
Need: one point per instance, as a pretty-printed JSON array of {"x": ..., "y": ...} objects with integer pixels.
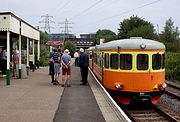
[
  {"x": 95, "y": 58},
  {"x": 106, "y": 61},
  {"x": 163, "y": 61},
  {"x": 90, "y": 54},
  {"x": 125, "y": 61},
  {"x": 156, "y": 61},
  {"x": 142, "y": 61},
  {"x": 114, "y": 61}
]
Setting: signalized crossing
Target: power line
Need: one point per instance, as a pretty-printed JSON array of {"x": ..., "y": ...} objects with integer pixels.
[
  {"x": 62, "y": 7},
  {"x": 125, "y": 12},
  {"x": 105, "y": 4},
  {"x": 134, "y": 9},
  {"x": 47, "y": 22},
  {"x": 84, "y": 11}
]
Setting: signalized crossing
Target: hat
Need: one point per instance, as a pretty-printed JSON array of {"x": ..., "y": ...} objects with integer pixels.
[
  {"x": 66, "y": 51},
  {"x": 17, "y": 51},
  {"x": 81, "y": 50}
]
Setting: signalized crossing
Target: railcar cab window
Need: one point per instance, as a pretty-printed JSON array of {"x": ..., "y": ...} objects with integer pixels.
[
  {"x": 142, "y": 61},
  {"x": 156, "y": 61},
  {"x": 106, "y": 61},
  {"x": 125, "y": 61},
  {"x": 114, "y": 61},
  {"x": 163, "y": 61}
]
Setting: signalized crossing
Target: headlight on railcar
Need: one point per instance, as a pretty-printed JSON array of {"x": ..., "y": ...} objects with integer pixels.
[
  {"x": 142, "y": 46},
  {"x": 119, "y": 86},
  {"x": 160, "y": 86}
]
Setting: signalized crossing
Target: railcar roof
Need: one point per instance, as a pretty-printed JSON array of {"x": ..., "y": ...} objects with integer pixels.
[
  {"x": 91, "y": 48},
  {"x": 131, "y": 44}
]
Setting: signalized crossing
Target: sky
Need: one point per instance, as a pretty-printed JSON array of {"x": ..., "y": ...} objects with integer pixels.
[{"x": 87, "y": 16}]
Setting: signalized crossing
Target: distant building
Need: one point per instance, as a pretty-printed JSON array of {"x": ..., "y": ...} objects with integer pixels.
[
  {"x": 90, "y": 35},
  {"x": 82, "y": 42},
  {"x": 61, "y": 36},
  {"x": 85, "y": 40}
]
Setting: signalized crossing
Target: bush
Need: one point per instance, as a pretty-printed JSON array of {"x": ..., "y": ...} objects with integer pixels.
[
  {"x": 44, "y": 56},
  {"x": 173, "y": 66}
]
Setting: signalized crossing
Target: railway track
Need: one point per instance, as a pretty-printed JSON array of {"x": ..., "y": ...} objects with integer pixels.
[
  {"x": 170, "y": 101},
  {"x": 150, "y": 114},
  {"x": 173, "y": 90}
]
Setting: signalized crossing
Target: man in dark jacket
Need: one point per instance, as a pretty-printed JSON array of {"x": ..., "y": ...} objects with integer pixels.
[{"x": 83, "y": 64}]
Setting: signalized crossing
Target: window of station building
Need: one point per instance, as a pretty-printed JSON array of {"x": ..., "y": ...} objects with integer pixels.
[
  {"x": 106, "y": 61},
  {"x": 125, "y": 61},
  {"x": 142, "y": 61},
  {"x": 156, "y": 61},
  {"x": 114, "y": 61}
]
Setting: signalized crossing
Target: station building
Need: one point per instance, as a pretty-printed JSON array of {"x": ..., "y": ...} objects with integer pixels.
[{"x": 16, "y": 34}]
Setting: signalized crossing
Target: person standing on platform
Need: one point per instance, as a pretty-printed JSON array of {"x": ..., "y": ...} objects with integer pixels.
[
  {"x": 4, "y": 61},
  {"x": 51, "y": 65},
  {"x": 83, "y": 64},
  {"x": 76, "y": 56},
  {"x": 57, "y": 66},
  {"x": 15, "y": 59},
  {"x": 66, "y": 69}
]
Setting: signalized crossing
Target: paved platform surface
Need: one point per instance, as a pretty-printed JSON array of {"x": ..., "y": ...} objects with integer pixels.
[
  {"x": 78, "y": 103},
  {"x": 35, "y": 99},
  {"x": 29, "y": 100}
]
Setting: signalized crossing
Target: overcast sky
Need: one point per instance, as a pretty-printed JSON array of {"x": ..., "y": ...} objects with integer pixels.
[{"x": 88, "y": 16}]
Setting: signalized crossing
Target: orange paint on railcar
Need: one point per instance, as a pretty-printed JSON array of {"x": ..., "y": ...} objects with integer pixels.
[
  {"x": 133, "y": 81},
  {"x": 90, "y": 63},
  {"x": 98, "y": 72}
]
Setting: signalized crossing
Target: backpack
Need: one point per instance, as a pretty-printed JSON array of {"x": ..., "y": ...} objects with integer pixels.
[{"x": 56, "y": 57}]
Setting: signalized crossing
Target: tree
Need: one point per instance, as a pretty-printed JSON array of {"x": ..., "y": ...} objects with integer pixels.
[
  {"x": 106, "y": 34},
  {"x": 44, "y": 37},
  {"x": 136, "y": 27},
  {"x": 70, "y": 46},
  {"x": 44, "y": 51},
  {"x": 170, "y": 34}
]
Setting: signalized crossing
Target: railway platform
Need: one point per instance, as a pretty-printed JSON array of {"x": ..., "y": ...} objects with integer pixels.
[{"x": 36, "y": 99}]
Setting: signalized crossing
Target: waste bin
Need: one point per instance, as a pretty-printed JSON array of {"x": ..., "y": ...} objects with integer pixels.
[
  {"x": 23, "y": 71},
  {"x": 27, "y": 69}
]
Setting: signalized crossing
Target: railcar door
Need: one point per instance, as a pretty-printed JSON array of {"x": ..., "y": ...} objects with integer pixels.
[
  {"x": 102, "y": 67},
  {"x": 142, "y": 78}
]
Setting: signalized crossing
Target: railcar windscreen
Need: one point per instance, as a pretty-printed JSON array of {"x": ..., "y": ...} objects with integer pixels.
[
  {"x": 114, "y": 61},
  {"x": 125, "y": 61},
  {"x": 156, "y": 61},
  {"x": 142, "y": 61},
  {"x": 163, "y": 61}
]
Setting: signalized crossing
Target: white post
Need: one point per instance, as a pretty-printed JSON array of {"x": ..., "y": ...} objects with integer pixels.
[
  {"x": 8, "y": 59},
  {"x": 20, "y": 56},
  {"x": 38, "y": 56},
  {"x": 33, "y": 54},
  {"x": 8, "y": 50},
  {"x": 27, "y": 52}
]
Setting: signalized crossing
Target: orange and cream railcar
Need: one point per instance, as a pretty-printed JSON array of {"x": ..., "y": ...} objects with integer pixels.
[{"x": 133, "y": 69}]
